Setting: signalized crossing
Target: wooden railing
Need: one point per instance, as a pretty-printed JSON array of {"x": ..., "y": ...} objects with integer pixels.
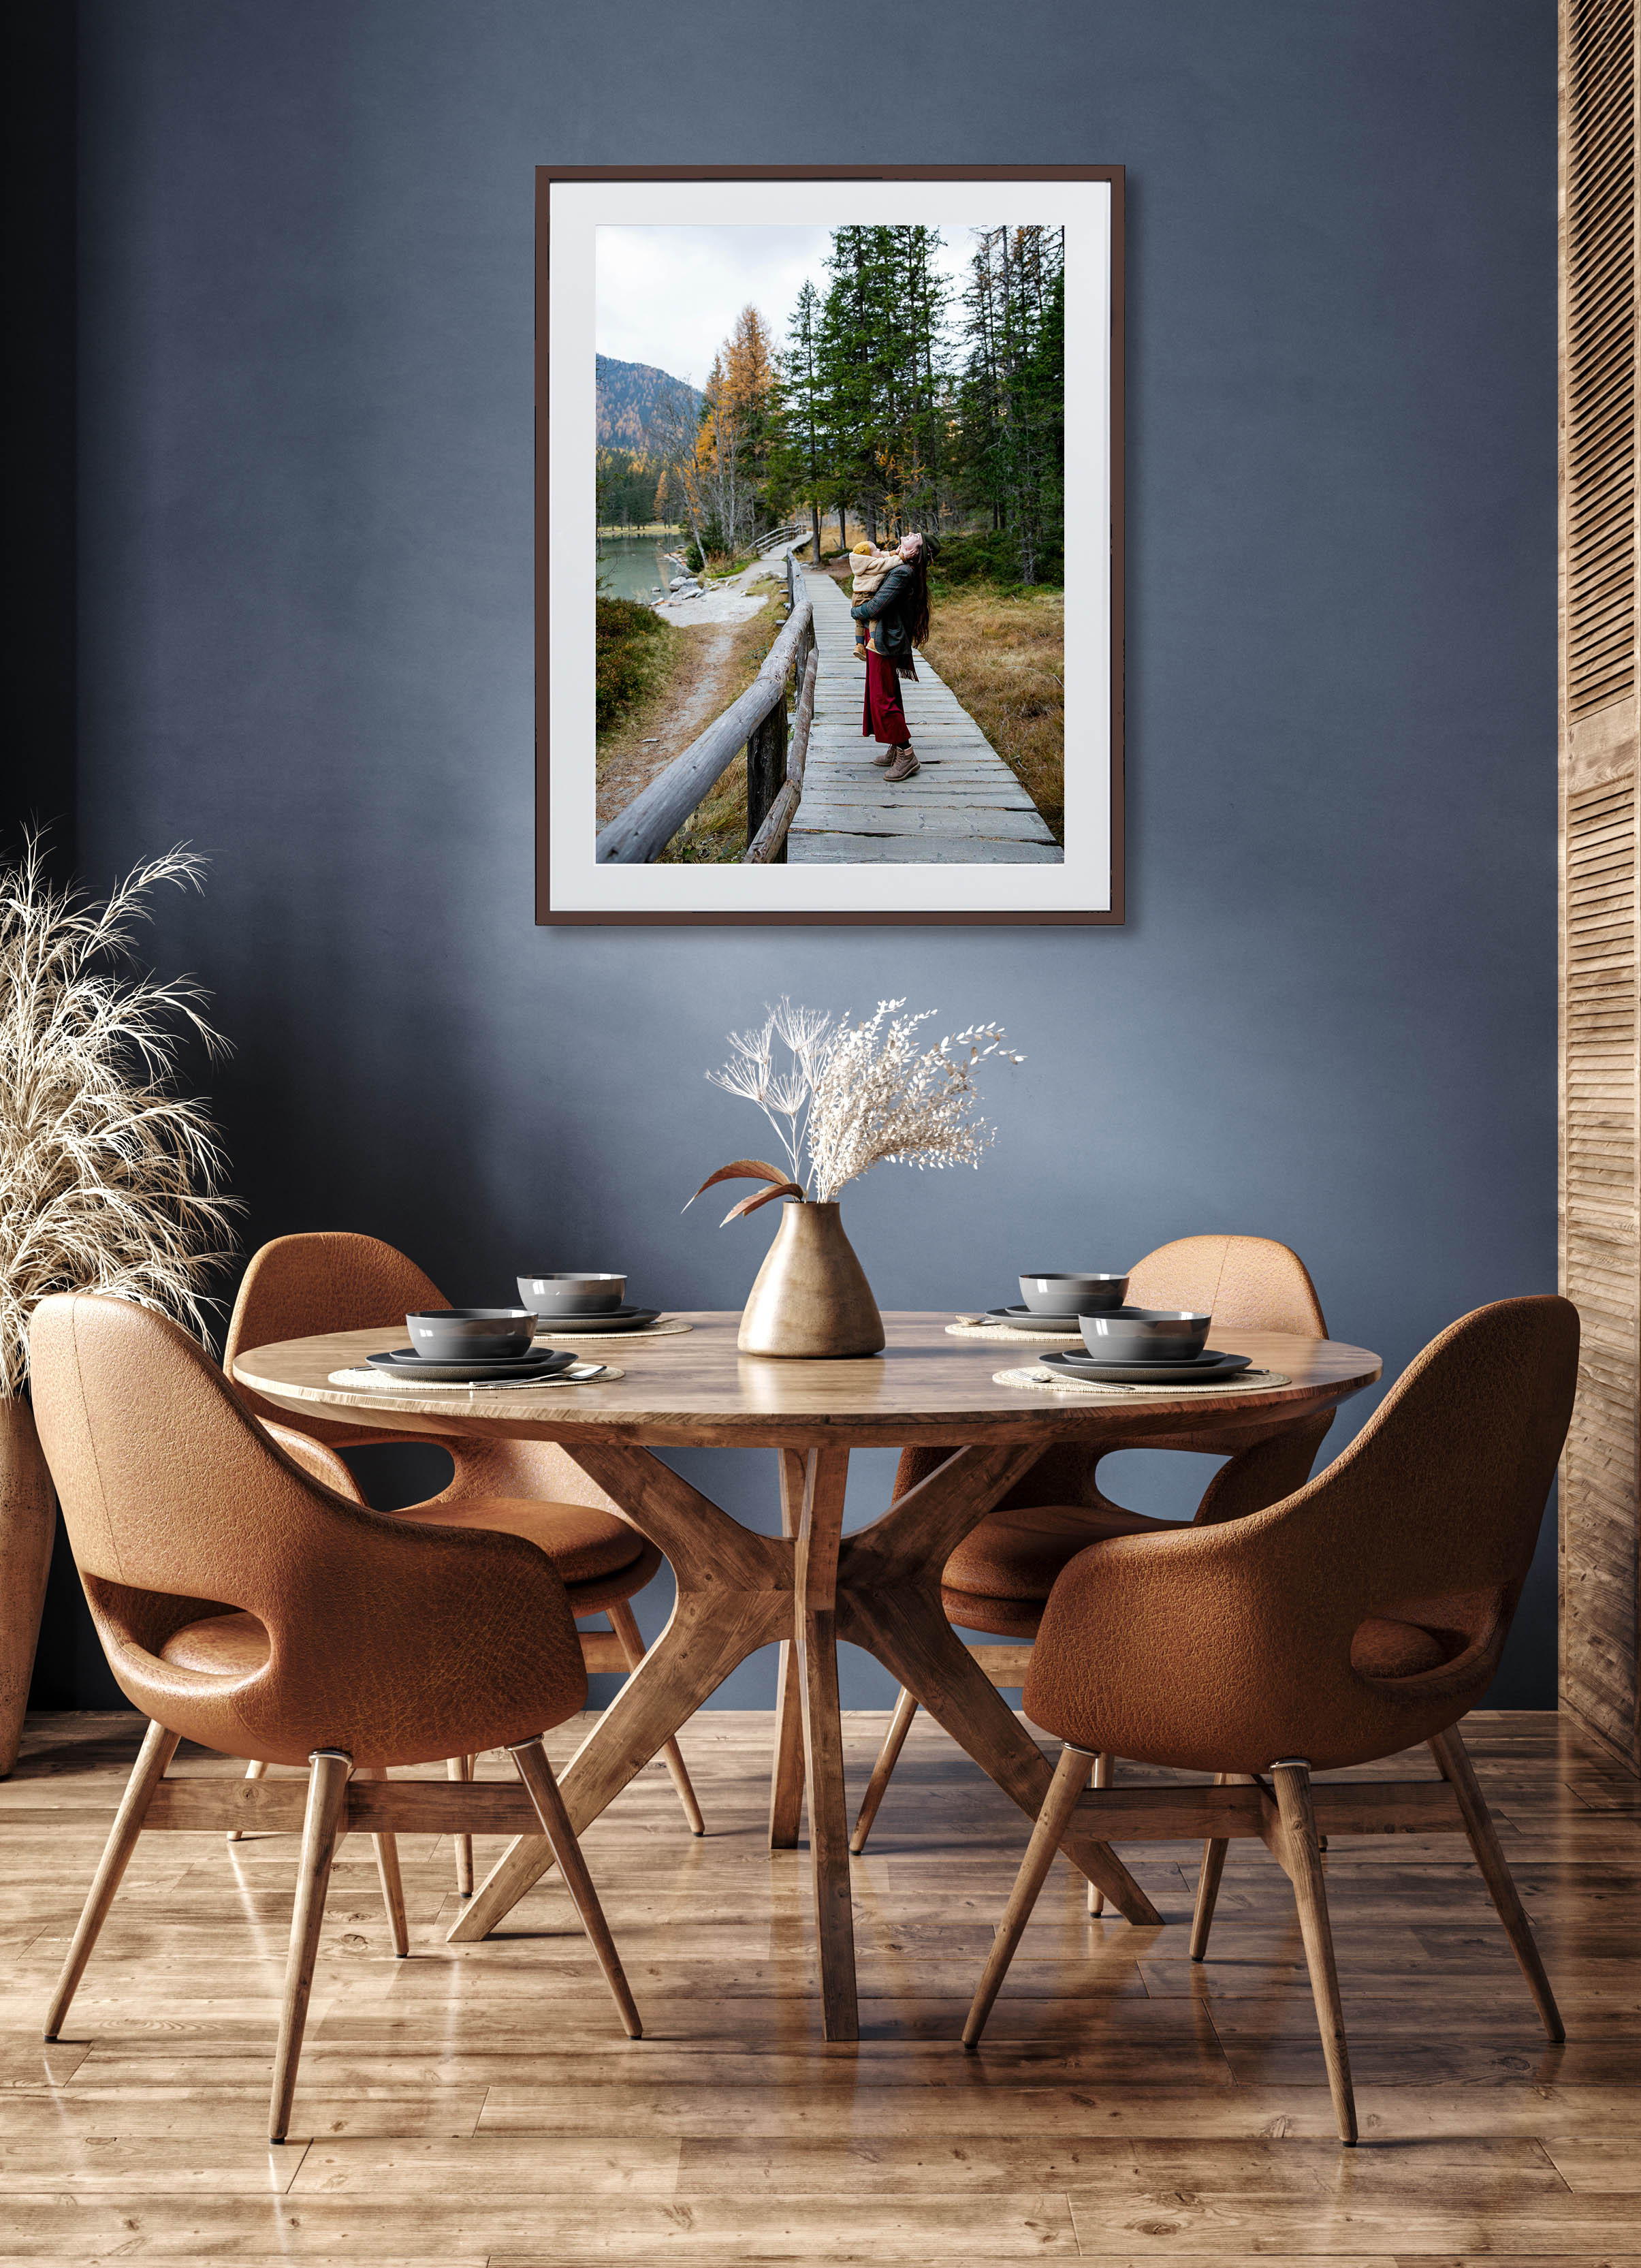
[
  {"x": 767, "y": 846},
  {"x": 756, "y": 721}
]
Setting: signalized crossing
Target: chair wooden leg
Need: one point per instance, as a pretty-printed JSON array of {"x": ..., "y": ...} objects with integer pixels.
[
  {"x": 392, "y": 1880},
  {"x": 1101, "y": 1776},
  {"x": 537, "y": 1774},
  {"x": 1292, "y": 1779},
  {"x": 461, "y": 1768},
  {"x": 1069, "y": 1780},
  {"x": 1208, "y": 1879},
  {"x": 254, "y": 1770},
  {"x": 327, "y": 1790},
  {"x": 158, "y": 1747},
  {"x": 888, "y": 1756},
  {"x": 1455, "y": 1759},
  {"x": 625, "y": 1624}
]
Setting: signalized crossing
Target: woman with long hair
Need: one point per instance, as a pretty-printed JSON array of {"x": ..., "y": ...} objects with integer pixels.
[{"x": 894, "y": 620}]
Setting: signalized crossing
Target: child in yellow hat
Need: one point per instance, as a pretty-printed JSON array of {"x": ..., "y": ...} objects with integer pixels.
[{"x": 868, "y": 566}]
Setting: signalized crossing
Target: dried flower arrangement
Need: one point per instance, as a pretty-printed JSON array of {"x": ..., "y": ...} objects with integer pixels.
[
  {"x": 109, "y": 1181},
  {"x": 852, "y": 1096}
]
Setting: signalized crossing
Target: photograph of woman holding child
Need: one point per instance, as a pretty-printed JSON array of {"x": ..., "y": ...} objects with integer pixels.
[
  {"x": 892, "y": 606},
  {"x": 842, "y": 421}
]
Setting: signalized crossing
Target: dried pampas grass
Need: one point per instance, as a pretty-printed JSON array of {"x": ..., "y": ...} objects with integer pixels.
[
  {"x": 108, "y": 1181},
  {"x": 853, "y": 1096},
  {"x": 884, "y": 1097}
]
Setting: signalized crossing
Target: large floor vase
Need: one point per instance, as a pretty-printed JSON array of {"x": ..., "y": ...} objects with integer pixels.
[
  {"x": 27, "y": 1518},
  {"x": 811, "y": 1296}
]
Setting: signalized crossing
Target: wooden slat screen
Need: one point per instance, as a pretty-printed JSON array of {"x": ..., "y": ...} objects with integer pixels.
[
  {"x": 1600, "y": 810},
  {"x": 1599, "y": 375},
  {"x": 1601, "y": 1185}
]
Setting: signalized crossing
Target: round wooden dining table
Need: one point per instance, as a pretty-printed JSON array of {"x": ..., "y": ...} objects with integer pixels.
[{"x": 879, "y": 1587}]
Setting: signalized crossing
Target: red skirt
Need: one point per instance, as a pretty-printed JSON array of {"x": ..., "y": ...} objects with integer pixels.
[{"x": 885, "y": 719}]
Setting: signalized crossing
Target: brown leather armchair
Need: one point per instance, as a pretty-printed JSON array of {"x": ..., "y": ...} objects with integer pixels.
[
  {"x": 999, "y": 1578},
  {"x": 1365, "y": 1612},
  {"x": 299, "y": 1286},
  {"x": 244, "y": 1605}
]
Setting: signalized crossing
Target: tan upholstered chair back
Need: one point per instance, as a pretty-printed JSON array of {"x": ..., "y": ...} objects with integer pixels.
[
  {"x": 1247, "y": 1284},
  {"x": 1237, "y": 1638},
  {"x": 299, "y": 1286},
  {"x": 1244, "y": 1282},
  {"x": 385, "y": 1637}
]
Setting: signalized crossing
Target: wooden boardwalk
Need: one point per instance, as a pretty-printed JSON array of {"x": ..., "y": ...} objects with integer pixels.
[{"x": 964, "y": 808}]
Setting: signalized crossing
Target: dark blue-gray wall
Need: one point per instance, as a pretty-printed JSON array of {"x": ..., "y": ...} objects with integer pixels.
[{"x": 305, "y": 645}]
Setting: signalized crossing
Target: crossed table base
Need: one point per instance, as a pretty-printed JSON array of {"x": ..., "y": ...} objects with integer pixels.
[
  {"x": 879, "y": 1588},
  {"x": 736, "y": 1591}
]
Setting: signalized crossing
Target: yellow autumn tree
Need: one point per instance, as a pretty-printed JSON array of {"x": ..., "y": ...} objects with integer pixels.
[{"x": 732, "y": 444}]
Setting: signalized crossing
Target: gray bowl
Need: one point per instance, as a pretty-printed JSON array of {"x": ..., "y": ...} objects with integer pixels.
[
  {"x": 1145, "y": 1334},
  {"x": 565, "y": 1292},
  {"x": 472, "y": 1334},
  {"x": 1055, "y": 1293}
]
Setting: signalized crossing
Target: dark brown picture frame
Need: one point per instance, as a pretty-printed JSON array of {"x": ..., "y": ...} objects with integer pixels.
[{"x": 547, "y": 176}]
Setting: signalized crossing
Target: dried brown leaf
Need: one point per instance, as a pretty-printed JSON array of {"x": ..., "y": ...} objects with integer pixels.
[
  {"x": 762, "y": 1198},
  {"x": 741, "y": 1169}
]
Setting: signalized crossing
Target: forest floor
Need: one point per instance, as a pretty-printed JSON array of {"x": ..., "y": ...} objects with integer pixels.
[
  {"x": 710, "y": 665},
  {"x": 1002, "y": 653}
]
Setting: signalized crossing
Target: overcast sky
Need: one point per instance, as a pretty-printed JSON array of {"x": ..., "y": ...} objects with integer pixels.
[{"x": 670, "y": 296}]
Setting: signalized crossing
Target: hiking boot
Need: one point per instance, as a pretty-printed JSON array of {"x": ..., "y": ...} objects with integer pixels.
[
  {"x": 860, "y": 651},
  {"x": 883, "y": 755},
  {"x": 904, "y": 766}
]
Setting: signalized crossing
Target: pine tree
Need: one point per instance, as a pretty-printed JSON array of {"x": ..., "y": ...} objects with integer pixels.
[
  {"x": 882, "y": 362},
  {"x": 874, "y": 406},
  {"x": 1012, "y": 398},
  {"x": 798, "y": 466}
]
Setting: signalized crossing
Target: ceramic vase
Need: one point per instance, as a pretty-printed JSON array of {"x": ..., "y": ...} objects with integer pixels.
[
  {"x": 27, "y": 1520},
  {"x": 811, "y": 1296}
]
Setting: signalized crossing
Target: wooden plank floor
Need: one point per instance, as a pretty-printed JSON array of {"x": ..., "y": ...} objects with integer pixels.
[
  {"x": 480, "y": 2105},
  {"x": 964, "y": 807}
]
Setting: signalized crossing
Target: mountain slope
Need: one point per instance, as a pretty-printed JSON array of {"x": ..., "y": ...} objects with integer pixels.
[{"x": 630, "y": 394}]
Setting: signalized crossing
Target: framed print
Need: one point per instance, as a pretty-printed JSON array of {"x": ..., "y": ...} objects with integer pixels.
[{"x": 829, "y": 544}]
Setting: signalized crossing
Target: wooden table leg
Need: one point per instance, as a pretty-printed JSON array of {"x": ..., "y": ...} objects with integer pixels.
[
  {"x": 889, "y": 1603},
  {"x": 734, "y": 1595},
  {"x": 922, "y": 1650},
  {"x": 818, "y": 1536},
  {"x": 691, "y": 1659},
  {"x": 786, "y": 1769}
]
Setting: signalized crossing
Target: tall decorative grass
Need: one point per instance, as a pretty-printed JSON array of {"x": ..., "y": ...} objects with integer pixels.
[{"x": 110, "y": 1179}]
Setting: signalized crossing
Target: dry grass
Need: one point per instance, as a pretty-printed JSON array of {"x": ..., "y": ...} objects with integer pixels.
[
  {"x": 1004, "y": 656},
  {"x": 109, "y": 1180},
  {"x": 716, "y": 832},
  {"x": 632, "y": 751}
]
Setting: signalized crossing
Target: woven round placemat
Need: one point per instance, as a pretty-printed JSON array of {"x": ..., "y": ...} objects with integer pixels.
[
  {"x": 1003, "y": 1334},
  {"x": 1044, "y": 1381},
  {"x": 665, "y": 1330},
  {"x": 384, "y": 1381}
]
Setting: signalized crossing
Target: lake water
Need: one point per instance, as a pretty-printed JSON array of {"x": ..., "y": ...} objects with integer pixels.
[{"x": 630, "y": 566}]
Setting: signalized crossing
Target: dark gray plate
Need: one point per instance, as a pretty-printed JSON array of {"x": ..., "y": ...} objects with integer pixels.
[
  {"x": 1024, "y": 1319},
  {"x": 1208, "y": 1366},
  {"x": 406, "y": 1361},
  {"x": 617, "y": 1319}
]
